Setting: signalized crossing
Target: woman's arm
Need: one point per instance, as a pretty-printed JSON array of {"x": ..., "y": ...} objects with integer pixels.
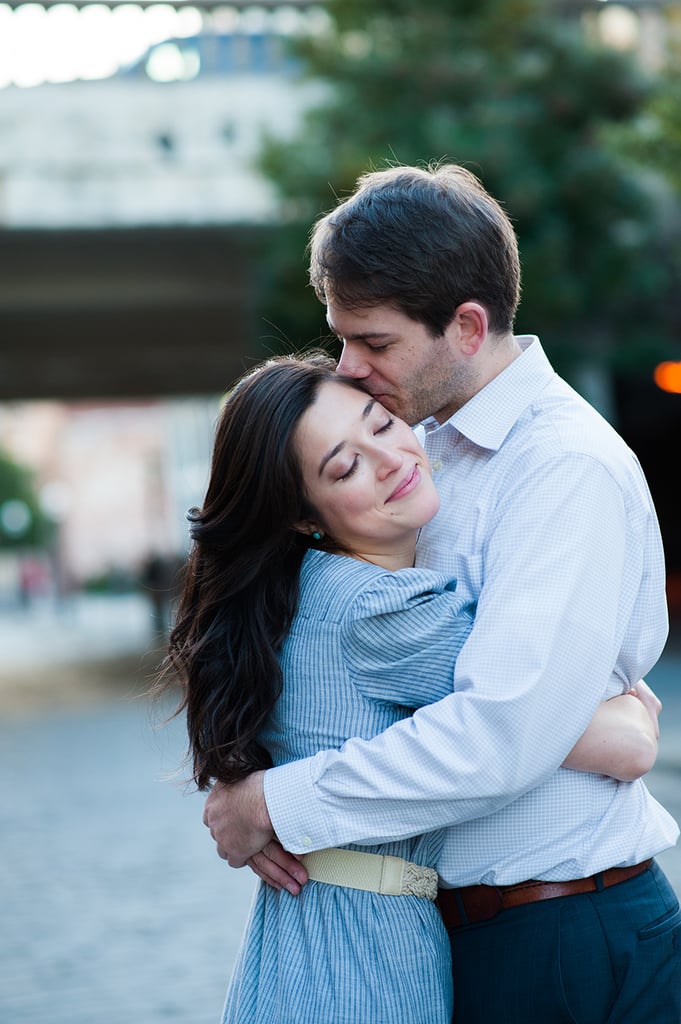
[{"x": 621, "y": 740}]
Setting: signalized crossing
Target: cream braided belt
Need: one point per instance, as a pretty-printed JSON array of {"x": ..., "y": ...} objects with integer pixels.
[{"x": 372, "y": 872}]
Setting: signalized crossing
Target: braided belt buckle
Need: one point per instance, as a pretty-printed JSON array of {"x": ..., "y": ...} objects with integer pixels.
[{"x": 418, "y": 881}]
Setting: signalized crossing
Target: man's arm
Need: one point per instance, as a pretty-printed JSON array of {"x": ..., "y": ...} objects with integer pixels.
[
  {"x": 531, "y": 676},
  {"x": 559, "y": 586},
  {"x": 620, "y": 741}
]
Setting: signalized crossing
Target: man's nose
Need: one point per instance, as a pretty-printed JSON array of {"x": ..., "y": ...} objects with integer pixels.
[{"x": 352, "y": 364}]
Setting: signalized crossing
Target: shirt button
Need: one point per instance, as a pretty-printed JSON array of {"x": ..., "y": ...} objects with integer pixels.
[
  {"x": 437, "y": 465},
  {"x": 306, "y": 841}
]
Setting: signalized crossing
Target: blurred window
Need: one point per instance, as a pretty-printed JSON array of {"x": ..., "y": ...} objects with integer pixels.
[{"x": 181, "y": 60}]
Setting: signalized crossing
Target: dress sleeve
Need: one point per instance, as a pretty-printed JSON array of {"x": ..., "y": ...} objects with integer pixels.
[{"x": 401, "y": 638}]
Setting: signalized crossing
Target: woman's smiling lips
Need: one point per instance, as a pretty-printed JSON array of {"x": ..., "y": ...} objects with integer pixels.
[{"x": 406, "y": 486}]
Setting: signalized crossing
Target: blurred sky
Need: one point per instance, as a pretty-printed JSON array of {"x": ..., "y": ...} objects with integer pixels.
[{"x": 63, "y": 43}]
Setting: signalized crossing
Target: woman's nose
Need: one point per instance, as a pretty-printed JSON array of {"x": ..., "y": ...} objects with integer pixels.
[{"x": 389, "y": 460}]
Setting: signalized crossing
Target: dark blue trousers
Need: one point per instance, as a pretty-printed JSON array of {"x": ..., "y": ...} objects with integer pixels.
[{"x": 608, "y": 957}]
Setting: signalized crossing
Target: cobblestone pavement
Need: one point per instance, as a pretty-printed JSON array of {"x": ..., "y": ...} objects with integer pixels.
[{"x": 115, "y": 908}]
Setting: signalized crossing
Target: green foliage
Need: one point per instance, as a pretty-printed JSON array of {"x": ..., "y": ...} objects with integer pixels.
[
  {"x": 519, "y": 96},
  {"x": 22, "y": 524},
  {"x": 653, "y": 139}
]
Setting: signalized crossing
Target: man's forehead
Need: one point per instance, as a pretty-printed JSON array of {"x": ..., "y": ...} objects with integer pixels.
[{"x": 356, "y": 324}]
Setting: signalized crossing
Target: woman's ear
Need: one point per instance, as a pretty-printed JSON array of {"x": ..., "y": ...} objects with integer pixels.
[{"x": 308, "y": 528}]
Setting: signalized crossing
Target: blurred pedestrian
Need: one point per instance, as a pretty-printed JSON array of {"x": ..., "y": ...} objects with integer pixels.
[{"x": 159, "y": 580}]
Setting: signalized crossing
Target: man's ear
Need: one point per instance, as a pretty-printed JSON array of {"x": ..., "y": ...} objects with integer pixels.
[{"x": 473, "y": 325}]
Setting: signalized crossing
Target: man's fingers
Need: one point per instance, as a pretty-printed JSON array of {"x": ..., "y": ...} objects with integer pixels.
[
  {"x": 279, "y": 869},
  {"x": 268, "y": 871},
  {"x": 289, "y": 862},
  {"x": 234, "y": 860}
]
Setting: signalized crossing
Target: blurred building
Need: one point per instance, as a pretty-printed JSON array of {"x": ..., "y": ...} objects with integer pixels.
[
  {"x": 115, "y": 480},
  {"x": 132, "y": 150}
]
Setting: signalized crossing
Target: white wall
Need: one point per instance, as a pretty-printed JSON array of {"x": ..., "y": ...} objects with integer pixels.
[{"x": 91, "y": 154}]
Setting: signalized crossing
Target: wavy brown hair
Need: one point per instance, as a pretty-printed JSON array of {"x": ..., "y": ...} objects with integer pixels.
[
  {"x": 240, "y": 582},
  {"x": 423, "y": 240}
]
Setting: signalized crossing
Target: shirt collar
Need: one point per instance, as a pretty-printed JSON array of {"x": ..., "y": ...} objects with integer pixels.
[{"x": 488, "y": 416}]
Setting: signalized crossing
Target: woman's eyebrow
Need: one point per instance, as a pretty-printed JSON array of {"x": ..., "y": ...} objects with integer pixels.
[
  {"x": 330, "y": 455},
  {"x": 341, "y": 444}
]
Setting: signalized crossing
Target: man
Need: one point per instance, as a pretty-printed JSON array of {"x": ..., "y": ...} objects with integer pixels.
[{"x": 555, "y": 907}]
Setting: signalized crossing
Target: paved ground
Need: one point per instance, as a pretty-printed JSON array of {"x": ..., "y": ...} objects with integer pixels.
[{"x": 115, "y": 909}]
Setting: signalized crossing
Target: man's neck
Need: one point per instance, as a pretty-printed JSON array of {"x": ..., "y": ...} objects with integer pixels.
[{"x": 499, "y": 352}]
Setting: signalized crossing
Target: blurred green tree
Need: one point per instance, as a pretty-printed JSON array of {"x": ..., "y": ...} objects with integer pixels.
[
  {"x": 22, "y": 523},
  {"x": 651, "y": 141},
  {"x": 520, "y": 96},
  {"x": 653, "y": 138}
]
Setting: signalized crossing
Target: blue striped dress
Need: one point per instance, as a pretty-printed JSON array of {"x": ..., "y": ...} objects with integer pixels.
[{"x": 366, "y": 648}]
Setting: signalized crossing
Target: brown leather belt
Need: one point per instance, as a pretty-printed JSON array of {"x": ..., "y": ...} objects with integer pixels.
[{"x": 473, "y": 903}]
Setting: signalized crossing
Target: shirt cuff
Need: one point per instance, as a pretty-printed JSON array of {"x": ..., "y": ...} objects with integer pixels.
[{"x": 293, "y": 807}]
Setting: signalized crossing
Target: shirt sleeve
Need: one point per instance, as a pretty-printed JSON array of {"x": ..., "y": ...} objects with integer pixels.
[
  {"x": 541, "y": 651},
  {"x": 401, "y": 641}
]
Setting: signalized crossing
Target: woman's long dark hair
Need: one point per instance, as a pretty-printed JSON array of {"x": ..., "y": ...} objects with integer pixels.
[{"x": 240, "y": 586}]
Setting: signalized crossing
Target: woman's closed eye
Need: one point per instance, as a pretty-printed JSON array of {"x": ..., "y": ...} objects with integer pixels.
[
  {"x": 348, "y": 473},
  {"x": 382, "y": 429}
]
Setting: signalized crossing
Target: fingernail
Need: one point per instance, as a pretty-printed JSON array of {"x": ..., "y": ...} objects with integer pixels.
[{"x": 293, "y": 888}]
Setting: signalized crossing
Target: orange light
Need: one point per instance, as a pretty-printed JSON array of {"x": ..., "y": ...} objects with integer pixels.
[{"x": 668, "y": 377}]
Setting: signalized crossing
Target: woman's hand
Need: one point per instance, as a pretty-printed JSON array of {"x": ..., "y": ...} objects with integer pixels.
[
  {"x": 622, "y": 738},
  {"x": 651, "y": 703}
]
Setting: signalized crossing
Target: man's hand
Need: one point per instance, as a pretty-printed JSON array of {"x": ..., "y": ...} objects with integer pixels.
[
  {"x": 280, "y": 869},
  {"x": 238, "y": 820},
  {"x": 240, "y": 825}
]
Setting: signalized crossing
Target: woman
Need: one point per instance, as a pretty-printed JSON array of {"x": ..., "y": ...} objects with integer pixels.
[{"x": 302, "y": 622}]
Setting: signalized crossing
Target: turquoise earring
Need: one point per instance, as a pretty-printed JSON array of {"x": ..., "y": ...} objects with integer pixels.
[{"x": 316, "y": 535}]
